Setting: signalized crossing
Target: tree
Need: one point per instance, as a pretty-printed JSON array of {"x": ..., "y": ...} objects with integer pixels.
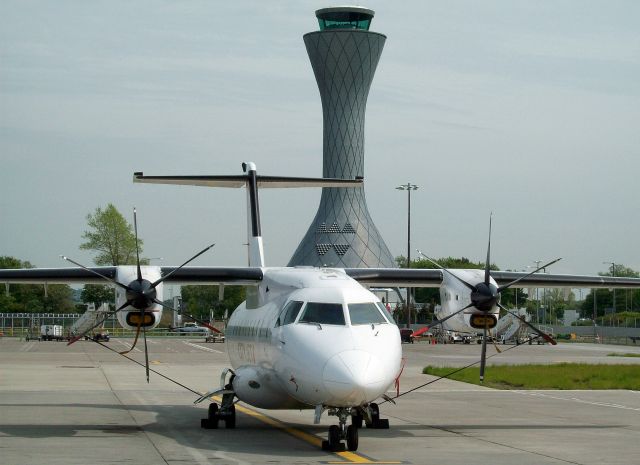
[
  {"x": 31, "y": 297},
  {"x": 97, "y": 294},
  {"x": 112, "y": 237},
  {"x": 200, "y": 299}
]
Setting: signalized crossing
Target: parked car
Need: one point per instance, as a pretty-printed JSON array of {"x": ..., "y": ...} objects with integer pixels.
[
  {"x": 98, "y": 337},
  {"x": 192, "y": 328}
]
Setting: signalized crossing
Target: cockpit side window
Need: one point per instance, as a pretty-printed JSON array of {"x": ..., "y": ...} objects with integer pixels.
[
  {"x": 365, "y": 314},
  {"x": 289, "y": 313},
  {"x": 323, "y": 313}
]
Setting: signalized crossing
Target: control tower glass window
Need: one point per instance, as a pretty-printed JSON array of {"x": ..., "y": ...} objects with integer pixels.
[{"x": 344, "y": 18}]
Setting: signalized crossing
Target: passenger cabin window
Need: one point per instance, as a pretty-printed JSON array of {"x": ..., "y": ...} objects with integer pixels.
[
  {"x": 365, "y": 314},
  {"x": 289, "y": 313},
  {"x": 325, "y": 314}
]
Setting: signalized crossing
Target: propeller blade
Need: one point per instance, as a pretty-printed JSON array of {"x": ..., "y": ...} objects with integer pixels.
[
  {"x": 146, "y": 352},
  {"x": 80, "y": 336},
  {"x": 506, "y": 286},
  {"x": 191, "y": 259},
  {"x": 191, "y": 317},
  {"x": 112, "y": 281},
  {"x": 439, "y": 322},
  {"x": 472, "y": 288},
  {"x": 542, "y": 334},
  {"x": 483, "y": 356},
  {"x": 487, "y": 273},
  {"x": 135, "y": 228}
]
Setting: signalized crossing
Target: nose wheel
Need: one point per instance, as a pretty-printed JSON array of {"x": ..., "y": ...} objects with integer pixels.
[{"x": 340, "y": 432}]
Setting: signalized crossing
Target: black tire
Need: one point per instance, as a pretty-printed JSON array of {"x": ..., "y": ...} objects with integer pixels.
[
  {"x": 375, "y": 415},
  {"x": 375, "y": 411},
  {"x": 352, "y": 438},
  {"x": 230, "y": 418},
  {"x": 356, "y": 420},
  {"x": 212, "y": 416},
  {"x": 334, "y": 437}
]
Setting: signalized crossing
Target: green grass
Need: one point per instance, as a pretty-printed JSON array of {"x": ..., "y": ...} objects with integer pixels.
[
  {"x": 557, "y": 376},
  {"x": 622, "y": 354}
]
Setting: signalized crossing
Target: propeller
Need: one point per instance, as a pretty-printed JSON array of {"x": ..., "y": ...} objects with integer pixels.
[
  {"x": 485, "y": 297},
  {"x": 139, "y": 294}
]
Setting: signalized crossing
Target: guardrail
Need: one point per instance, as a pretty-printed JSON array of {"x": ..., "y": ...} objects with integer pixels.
[{"x": 115, "y": 332}]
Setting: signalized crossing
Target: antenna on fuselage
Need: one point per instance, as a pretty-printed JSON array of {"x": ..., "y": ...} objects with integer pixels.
[{"x": 251, "y": 180}]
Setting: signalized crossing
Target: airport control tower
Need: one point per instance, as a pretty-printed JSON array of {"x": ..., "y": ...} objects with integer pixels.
[{"x": 344, "y": 55}]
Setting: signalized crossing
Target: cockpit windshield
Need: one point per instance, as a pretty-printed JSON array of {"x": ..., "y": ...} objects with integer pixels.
[
  {"x": 365, "y": 314},
  {"x": 323, "y": 313},
  {"x": 289, "y": 313}
]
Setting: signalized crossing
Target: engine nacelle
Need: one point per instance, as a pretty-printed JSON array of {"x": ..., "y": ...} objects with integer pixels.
[{"x": 131, "y": 317}]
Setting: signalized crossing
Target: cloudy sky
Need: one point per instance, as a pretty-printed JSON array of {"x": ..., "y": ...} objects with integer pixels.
[{"x": 527, "y": 109}]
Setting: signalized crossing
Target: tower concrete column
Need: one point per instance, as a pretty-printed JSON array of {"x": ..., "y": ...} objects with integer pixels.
[{"x": 344, "y": 55}]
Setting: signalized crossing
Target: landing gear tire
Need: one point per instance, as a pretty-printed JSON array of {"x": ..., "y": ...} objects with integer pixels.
[
  {"x": 352, "y": 438},
  {"x": 375, "y": 415},
  {"x": 356, "y": 420},
  {"x": 230, "y": 418},
  {"x": 211, "y": 422},
  {"x": 333, "y": 444},
  {"x": 334, "y": 435},
  {"x": 376, "y": 421}
]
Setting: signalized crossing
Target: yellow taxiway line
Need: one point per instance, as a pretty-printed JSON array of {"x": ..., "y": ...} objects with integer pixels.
[{"x": 349, "y": 457}]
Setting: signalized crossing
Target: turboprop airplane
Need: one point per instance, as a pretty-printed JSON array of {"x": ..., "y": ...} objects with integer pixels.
[{"x": 305, "y": 338}]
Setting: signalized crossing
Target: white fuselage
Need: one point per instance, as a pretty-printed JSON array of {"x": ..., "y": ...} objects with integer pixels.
[
  {"x": 454, "y": 295},
  {"x": 334, "y": 345}
]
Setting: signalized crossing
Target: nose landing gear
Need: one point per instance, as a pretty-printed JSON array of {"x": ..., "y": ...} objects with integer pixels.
[
  {"x": 226, "y": 412},
  {"x": 339, "y": 432},
  {"x": 370, "y": 414}
]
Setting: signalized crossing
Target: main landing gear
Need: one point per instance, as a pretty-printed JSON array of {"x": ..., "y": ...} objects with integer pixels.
[
  {"x": 226, "y": 412},
  {"x": 337, "y": 433}
]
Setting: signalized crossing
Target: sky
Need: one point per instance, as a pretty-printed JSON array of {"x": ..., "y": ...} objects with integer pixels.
[{"x": 529, "y": 110}]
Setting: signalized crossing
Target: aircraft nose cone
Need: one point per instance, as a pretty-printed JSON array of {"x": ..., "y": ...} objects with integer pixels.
[{"x": 352, "y": 377}]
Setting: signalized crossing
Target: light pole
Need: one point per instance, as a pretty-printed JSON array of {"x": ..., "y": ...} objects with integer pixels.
[
  {"x": 537, "y": 262},
  {"x": 613, "y": 275},
  {"x": 408, "y": 187}
]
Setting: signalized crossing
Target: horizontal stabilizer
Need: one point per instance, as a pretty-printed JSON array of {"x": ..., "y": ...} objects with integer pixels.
[{"x": 241, "y": 181}]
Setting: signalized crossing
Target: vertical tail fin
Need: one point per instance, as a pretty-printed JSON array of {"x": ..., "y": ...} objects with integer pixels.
[{"x": 254, "y": 232}]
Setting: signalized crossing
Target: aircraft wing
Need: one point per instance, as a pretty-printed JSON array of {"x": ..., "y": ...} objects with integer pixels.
[
  {"x": 185, "y": 275},
  {"x": 564, "y": 280},
  {"x": 235, "y": 276},
  {"x": 416, "y": 277},
  {"x": 57, "y": 275}
]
